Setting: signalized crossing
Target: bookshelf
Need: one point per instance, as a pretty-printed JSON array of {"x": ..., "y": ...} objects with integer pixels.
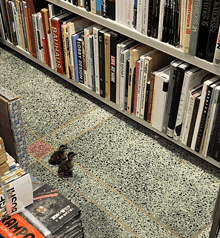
[{"x": 113, "y": 25}]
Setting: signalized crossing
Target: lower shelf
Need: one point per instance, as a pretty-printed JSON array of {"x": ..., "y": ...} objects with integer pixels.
[{"x": 111, "y": 104}]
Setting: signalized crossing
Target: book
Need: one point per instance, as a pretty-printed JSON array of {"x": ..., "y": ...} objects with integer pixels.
[
  {"x": 161, "y": 19},
  {"x": 91, "y": 65},
  {"x": 93, "y": 6},
  {"x": 145, "y": 17},
  {"x": 194, "y": 29},
  {"x": 98, "y": 7},
  {"x": 51, "y": 208},
  {"x": 21, "y": 32},
  {"x": 12, "y": 22},
  {"x": 135, "y": 10},
  {"x": 79, "y": 43},
  {"x": 137, "y": 68},
  {"x": 216, "y": 60},
  {"x": 181, "y": 69},
  {"x": 87, "y": 5},
  {"x": 206, "y": 85},
  {"x": 155, "y": 18},
  {"x": 160, "y": 97},
  {"x": 104, "y": 8},
  {"x": 191, "y": 78},
  {"x": 204, "y": 28},
  {"x": 111, "y": 9},
  {"x": 107, "y": 39},
  {"x": 165, "y": 30},
  {"x": 213, "y": 31},
  {"x": 6, "y": 23}
]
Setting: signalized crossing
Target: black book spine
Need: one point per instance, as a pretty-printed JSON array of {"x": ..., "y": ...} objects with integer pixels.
[
  {"x": 176, "y": 36},
  {"x": 171, "y": 22},
  {"x": 216, "y": 148},
  {"x": 146, "y": 100},
  {"x": 213, "y": 31},
  {"x": 149, "y": 30},
  {"x": 134, "y": 22},
  {"x": 101, "y": 63},
  {"x": 111, "y": 9},
  {"x": 5, "y": 20},
  {"x": 165, "y": 35},
  {"x": 87, "y": 5},
  {"x": 104, "y": 8},
  {"x": 204, "y": 28},
  {"x": 75, "y": 2},
  {"x": 113, "y": 54},
  {"x": 126, "y": 85},
  {"x": 155, "y": 18},
  {"x": 203, "y": 119},
  {"x": 79, "y": 44}
]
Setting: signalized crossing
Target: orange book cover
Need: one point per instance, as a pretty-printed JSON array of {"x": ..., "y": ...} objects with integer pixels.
[{"x": 16, "y": 227}]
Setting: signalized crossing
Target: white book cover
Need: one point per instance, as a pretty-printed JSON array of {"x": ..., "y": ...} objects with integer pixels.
[
  {"x": 200, "y": 111},
  {"x": 96, "y": 57},
  {"x": 140, "y": 6},
  {"x": 19, "y": 192},
  {"x": 216, "y": 60},
  {"x": 161, "y": 18},
  {"x": 145, "y": 17},
  {"x": 121, "y": 46},
  {"x": 93, "y": 6},
  {"x": 213, "y": 110},
  {"x": 191, "y": 78},
  {"x": 160, "y": 96},
  {"x": 125, "y": 55}
]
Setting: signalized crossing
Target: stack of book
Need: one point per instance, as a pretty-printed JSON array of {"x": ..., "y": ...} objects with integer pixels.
[{"x": 50, "y": 215}]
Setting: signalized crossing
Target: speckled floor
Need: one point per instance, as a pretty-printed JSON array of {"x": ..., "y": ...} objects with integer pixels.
[{"x": 127, "y": 181}]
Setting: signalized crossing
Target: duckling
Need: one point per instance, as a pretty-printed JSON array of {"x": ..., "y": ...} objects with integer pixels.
[
  {"x": 58, "y": 156},
  {"x": 67, "y": 165}
]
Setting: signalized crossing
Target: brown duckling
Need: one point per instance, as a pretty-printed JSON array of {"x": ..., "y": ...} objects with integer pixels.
[
  {"x": 58, "y": 156},
  {"x": 67, "y": 165}
]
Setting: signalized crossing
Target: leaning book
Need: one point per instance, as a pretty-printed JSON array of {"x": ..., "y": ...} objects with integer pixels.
[{"x": 51, "y": 208}]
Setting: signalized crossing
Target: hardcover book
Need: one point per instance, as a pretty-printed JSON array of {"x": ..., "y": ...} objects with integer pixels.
[
  {"x": 107, "y": 38},
  {"x": 51, "y": 208}
]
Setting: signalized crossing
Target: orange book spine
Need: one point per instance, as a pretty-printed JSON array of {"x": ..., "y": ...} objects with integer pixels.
[{"x": 28, "y": 31}]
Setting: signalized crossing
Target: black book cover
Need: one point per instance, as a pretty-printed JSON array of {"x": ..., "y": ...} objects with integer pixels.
[
  {"x": 146, "y": 100},
  {"x": 126, "y": 84},
  {"x": 150, "y": 16},
  {"x": 213, "y": 31},
  {"x": 111, "y": 9},
  {"x": 204, "y": 28},
  {"x": 87, "y": 5},
  {"x": 102, "y": 63},
  {"x": 79, "y": 44},
  {"x": 178, "y": 82},
  {"x": 165, "y": 34},
  {"x": 12, "y": 21},
  {"x": 51, "y": 208},
  {"x": 155, "y": 18},
  {"x": 104, "y": 8}
]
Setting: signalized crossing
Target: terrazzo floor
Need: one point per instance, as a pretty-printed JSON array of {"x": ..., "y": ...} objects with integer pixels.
[{"x": 127, "y": 180}]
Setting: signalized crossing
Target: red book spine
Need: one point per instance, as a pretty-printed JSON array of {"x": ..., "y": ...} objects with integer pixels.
[
  {"x": 45, "y": 21},
  {"x": 30, "y": 11},
  {"x": 150, "y": 98},
  {"x": 137, "y": 65},
  {"x": 56, "y": 32},
  {"x": 28, "y": 31}
]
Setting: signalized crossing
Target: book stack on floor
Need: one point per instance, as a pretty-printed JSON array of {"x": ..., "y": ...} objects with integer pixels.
[{"x": 50, "y": 215}]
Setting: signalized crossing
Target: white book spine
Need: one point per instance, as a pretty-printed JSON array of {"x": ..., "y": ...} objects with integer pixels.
[
  {"x": 93, "y": 6},
  {"x": 145, "y": 17},
  {"x": 216, "y": 60},
  {"x": 124, "y": 57},
  {"x": 161, "y": 18},
  {"x": 88, "y": 80},
  {"x": 117, "y": 11},
  {"x": 132, "y": 14},
  {"x": 140, "y": 81},
  {"x": 118, "y": 73},
  {"x": 129, "y": 13},
  {"x": 41, "y": 34},
  {"x": 140, "y": 15},
  {"x": 96, "y": 58},
  {"x": 71, "y": 31},
  {"x": 200, "y": 111},
  {"x": 51, "y": 50},
  {"x": 125, "y": 4},
  {"x": 144, "y": 88}
]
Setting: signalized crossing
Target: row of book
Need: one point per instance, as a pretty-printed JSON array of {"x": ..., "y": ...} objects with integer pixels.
[
  {"x": 140, "y": 79},
  {"x": 30, "y": 209},
  {"x": 192, "y": 26}
]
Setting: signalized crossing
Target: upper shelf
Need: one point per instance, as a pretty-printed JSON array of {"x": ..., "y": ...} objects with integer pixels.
[{"x": 165, "y": 47}]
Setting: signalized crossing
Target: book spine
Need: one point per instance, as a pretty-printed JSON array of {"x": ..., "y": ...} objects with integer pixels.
[
  {"x": 107, "y": 66},
  {"x": 155, "y": 19},
  {"x": 13, "y": 30},
  {"x": 176, "y": 33},
  {"x": 65, "y": 39},
  {"x": 150, "y": 12},
  {"x": 87, "y": 5},
  {"x": 88, "y": 81},
  {"x": 137, "y": 67},
  {"x": 216, "y": 60},
  {"x": 213, "y": 31},
  {"x": 34, "y": 21},
  {"x": 204, "y": 28},
  {"x": 194, "y": 29},
  {"x": 102, "y": 63},
  {"x": 80, "y": 59},
  {"x": 113, "y": 62},
  {"x": 98, "y": 7},
  {"x": 136, "y": 6},
  {"x": 171, "y": 22},
  {"x": 111, "y": 9},
  {"x": 203, "y": 119},
  {"x": 161, "y": 18},
  {"x": 139, "y": 90},
  {"x": 16, "y": 24},
  {"x": 126, "y": 82},
  {"x": 150, "y": 98},
  {"x": 96, "y": 59},
  {"x": 74, "y": 54},
  {"x": 165, "y": 32},
  {"x": 30, "y": 11},
  {"x": 92, "y": 62},
  {"x": 145, "y": 17},
  {"x": 140, "y": 5},
  {"x": 5, "y": 19},
  {"x": 20, "y": 24},
  {"x": 84, "y": 60},
  {"x": 57, "y": 46},
  {"x": 93, "y": 6},
  {"x": 104, "y": 8},
  {"x": 28, "y": 31},
  {"x": 193, "y": 114}
]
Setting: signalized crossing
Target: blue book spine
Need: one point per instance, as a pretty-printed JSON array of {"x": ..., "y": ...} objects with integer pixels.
[
  {"x": 98, "y": 7},
  {"x": 92, "y": 62},
  {"x": 75, "y": 60}
]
